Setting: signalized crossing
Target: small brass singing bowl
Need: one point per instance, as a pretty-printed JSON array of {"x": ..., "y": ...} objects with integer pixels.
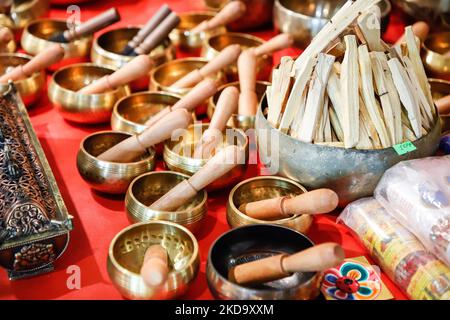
[
  {"x": 30, "y": 88},
  {"x": 190, "y": 41},
  {"x": 434, "y": 56},
  {"x": 261, "y": 188},
  {"x": 439, "y": 89},
  {"x": 237, "y": 120},
  {"x": 130, "y": 113},
  {"x": 36, "y": 35},
  {"x": 217, "y": 43},
  {"x": 106, "y": 176},
  {"x": 178, "y": 154},
  {"x": 78, "y": 107},
  {"x": 149, "y": 187},
  {"x": 107, "y": 49},
  {"x": 126, "y": 254},
  {"x": 22, "y": 13}
]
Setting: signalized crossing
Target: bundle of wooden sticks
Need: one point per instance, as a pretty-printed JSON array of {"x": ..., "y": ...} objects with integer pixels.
[{"x": 350, "y": 89}]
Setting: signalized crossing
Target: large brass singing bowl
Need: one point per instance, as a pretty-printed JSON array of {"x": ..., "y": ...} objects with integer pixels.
[
  {"x": 434, "y": 56},
  {"x": 441, "y": 88},
  {"x": 351, "y": 173},
  {"x": 22, "y": 13}
]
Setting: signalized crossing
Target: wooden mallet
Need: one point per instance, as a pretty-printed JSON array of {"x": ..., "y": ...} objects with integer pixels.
[
  {"x": 443, "y": 105},
  {"x": 231, "y": 12},
  {"x": 248, "y": 99},
  {"x": 154, "y": 270},
  {"x": 279, "y": 42}
]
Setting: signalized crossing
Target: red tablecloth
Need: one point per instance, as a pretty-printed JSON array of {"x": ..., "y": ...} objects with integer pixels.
[{"x": 97, "y": 218}]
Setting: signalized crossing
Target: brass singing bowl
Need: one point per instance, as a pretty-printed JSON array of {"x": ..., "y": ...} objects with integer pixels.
[
  {"x": 132, "y": 112},
  {"x": 435, "y": 12},
  {"x": 106, "y": 176},
  {"x": 9, "y": 47},
  {"x": 304, "y": 19},
  {"x": 261, "y": 188},
  {"x": 30, "y": 88},
  {"x": 434, "y": 59},
  {"x": 36, "y": 35},
  {"x": 78, "y": 107},
  {"x": 24, "y": 12},
  {"x": 439, "y": 89},
  {"x": 237, "y": 121},
  {"x": 149, "y": 187},
  {"x": 217, "y": 43},
  {"x": 178, "y": 154},
  {"x": 126, "y": 254},
  {"x": 254, "y": 242},
  {"x": 107, "y": 49},
  {"x": 190, "y": 41}
]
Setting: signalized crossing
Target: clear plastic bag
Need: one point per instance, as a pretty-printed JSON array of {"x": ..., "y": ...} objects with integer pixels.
[
  {"x": 417, "y": 194},
  {"x": 397, "y": 251}
]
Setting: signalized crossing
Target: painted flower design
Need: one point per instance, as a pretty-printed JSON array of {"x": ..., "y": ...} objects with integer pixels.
[{"x": 351, "y": 281}]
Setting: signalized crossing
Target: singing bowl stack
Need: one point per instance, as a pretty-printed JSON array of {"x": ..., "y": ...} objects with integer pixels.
[
  {"x": 435, "y": 12},
  {"x": 439, "y": 89},
  {"x": 178, "y": 154},
  {"x": 436, "y": 64},
  {"x": 36, "y": 35},
  {"x": 108, "y": 46},
  {"x": 261, "y": 188},
  {"x": 254, "y": 242},
  {"x": 78, "y": 107},
  {"x": 217, "y": 43},
  {"x": 351, "y": 173},
  {"x": 105, "y": 176},
  {"x": 130, "y": 113},
  {"x": 31, "y": 88},
  {"x": 23, "y": 13},
  {"x": 304, "y": 19},
  {"x": 187, "y": 40},
  {"x": 126, "y": 254},
  {"x": 149, "y": 187},
  {"x": 238, "y": 121}
]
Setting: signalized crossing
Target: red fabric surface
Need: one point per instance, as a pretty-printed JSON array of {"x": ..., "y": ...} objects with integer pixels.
[{"x": 97, "y": 218}]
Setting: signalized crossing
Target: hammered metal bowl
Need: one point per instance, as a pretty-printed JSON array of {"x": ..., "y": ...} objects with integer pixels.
[
  {"x": 439, "y": 89},
  {"x": 22, "y": 13},
  {"x": 126, "y": 254},
  {"x": 434, "y": 59}
]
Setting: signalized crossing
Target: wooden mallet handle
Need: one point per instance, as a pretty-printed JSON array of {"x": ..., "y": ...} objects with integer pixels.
[
  {"x": 135, "y": 69},
  {"x": 420, "y": 29},
  {"x": 248, "y": 99},
  {"x": 314, "y": 202},
  {"x": 155, "y": 268},
  {"x": 443, "y": 105},
  {"x": 231, "y": 12},
  {"x": 278, "y": 42},
  {"x": 314, "y": 259},
  {"x": 41, "y": 61}
]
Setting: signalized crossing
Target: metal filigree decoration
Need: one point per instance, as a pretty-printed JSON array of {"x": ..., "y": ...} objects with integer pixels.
[{"x": 33, "y": 255}]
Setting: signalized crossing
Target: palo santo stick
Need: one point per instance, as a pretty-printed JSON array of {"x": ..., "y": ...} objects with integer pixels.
[
  {"x": 224, "y": 161},
  {"x": 314, "y": 102},
  {"x": 320, "y": 130},
  {"x": 334, "y": 92},
  {"x": 336, "y": 48},
  {"x": 298, "y": 119},
  {"x": 201, "y": 92},
  {"x": 314, "y": 202},
  {"x": 407, "y": 98},
  {"x": 350, "y": 94},
  {"x": 130, "y": 149},
  {"x": 229, "y": 13},
  {"x": 336, "y": 124},
  {"x": 327, "y": 135},
  {"x": 317, "y": 258},
  {"x": 226, "y": 57},
  {"x": 443, "y": 105},
  {"x": 226, "y": 106},
  {"x": 420, "y": 29},
  {"x": 248, "y": 99},
  {"x": 155, "y": 268},
  {"x": 364, "y": 141},
  {"x": 41, "y": 61},
  {"x": 408, "y": 133},
  {"x": 369, "y": 24},
  {"x": 368, "y": 90},
  {"x": 279, "y": 42},
  {"x": 135, "y": 69},
  {"x": 370, "y": 128}
]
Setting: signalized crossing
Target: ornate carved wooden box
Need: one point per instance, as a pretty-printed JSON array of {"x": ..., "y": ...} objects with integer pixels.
[{"x": 34, "y": 222}]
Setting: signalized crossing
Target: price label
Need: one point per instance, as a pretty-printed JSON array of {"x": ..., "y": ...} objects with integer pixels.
[{"x": 404, "y": 148}]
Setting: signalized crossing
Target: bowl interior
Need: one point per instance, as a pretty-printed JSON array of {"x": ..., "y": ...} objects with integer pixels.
[
  {"x": 44, "y": 29},
  {"x": 8, "y": 62},
  {"x": 170, "y": 72},
  {"x": 439, "y": 88},
  {"x": 139, "y": 108},
  {"x": 76, "y": 77},
  {"x": 256, "y": 242},
  {"x": 438, "y": 42},
  {"x": 149, "y": 188},
  {"x": 129, "y": 248},
  {"x": 221, "y": 41},
  {"x": 324, "y": 9},
  {"x": 190, "y": 20}
]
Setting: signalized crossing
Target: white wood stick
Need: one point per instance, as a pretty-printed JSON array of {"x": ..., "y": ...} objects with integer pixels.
[
  {"x": 334, "y": 92},
  {"x": 298, "y": 118},
  {"x": 327, "y": 136},
  {"x": 370, "y": 27},
  {"x": 368, "y": 125},
  {"x": 337, "y": 128}
]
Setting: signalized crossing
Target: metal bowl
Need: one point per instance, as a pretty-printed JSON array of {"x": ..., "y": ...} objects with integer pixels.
[
  {"x": 149, "y": 187},
  {"x": 238, "y": 121},
  {"x": 108, "y": 46},
  {"x": 254, "y": 242},
  {"x": 31, "y": 88},
  {"x": 35, "y": 39},
  {"x": 126, "y": 255},
  {"x": 435, "y": 12},
  {"x": 22, "y": 13},
  {"x": 304, "y": 19},
  {"x": 78, "y": 107},
  {"x": 439, "y": 89},
  {"x": 352, "y": 173},
  {"x": 434, "y": 60},
  {"x": 105, "y": 176},
  {"x": 217, "y": 43},
  {"x": 9, "y": 47},
  {"x": 261, "y": 188},
  {"x": 178, "y": 154}
]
